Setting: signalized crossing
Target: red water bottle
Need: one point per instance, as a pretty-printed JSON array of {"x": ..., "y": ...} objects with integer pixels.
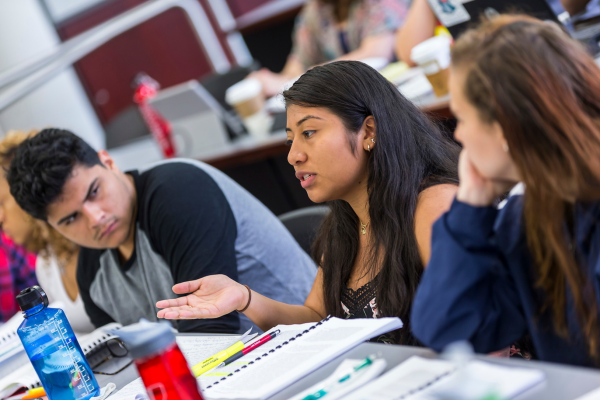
[
  {"x": 145, "y": 89},
  {"x": 160, "y": 363}
]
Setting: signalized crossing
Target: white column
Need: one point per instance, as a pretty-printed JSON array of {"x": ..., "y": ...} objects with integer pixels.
[{"x": 26, "y": 31}]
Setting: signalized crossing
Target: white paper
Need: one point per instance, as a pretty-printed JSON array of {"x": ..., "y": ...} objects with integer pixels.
[
  {"x": 449, "y": 12},
  {"x": 198, "y": 348},
  {"x": 295, "y": 360},
  {"x": 195, "y": 349},
  {"x": 134, "y": 390},
  {"x": 278, "y": 369},
  {"x": 10, "y": 344},
  {"x": 24, "y": 376},
  {"x": 412, "y": 374},
  {"x": 421, "y": 378},
  {"x": 593, "y": 395},
  {"x": 341, "y": 391}
]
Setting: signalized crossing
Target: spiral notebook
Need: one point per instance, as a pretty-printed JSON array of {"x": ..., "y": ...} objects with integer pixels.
[
  {"x": 296, "y": 352},
  {"x": 26, "y": 377},
  {"x": 10, "y": 345}
]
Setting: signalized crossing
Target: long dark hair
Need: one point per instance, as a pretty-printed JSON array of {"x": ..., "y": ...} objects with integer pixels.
[
  {"x": 544, "y": 91},
  {"x": 411, "y": 155}
]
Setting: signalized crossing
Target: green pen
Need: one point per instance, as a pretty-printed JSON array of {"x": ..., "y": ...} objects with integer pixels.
[{"x": 317, "y": 395}]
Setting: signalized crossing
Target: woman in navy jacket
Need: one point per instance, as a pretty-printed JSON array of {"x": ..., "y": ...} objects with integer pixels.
[{"x": 527, "y": 101}]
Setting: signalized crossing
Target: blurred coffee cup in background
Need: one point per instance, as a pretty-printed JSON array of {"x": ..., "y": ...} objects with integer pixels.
[
  {"x": 247, "y": 99},
  {"x": 433, "y": 57}
]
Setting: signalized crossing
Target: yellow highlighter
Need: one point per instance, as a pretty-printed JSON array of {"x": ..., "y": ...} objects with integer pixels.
[{"x": 217, "y": 359}]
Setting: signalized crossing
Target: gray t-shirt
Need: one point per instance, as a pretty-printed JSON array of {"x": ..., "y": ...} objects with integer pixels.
[{"x": 193, "y": 221}]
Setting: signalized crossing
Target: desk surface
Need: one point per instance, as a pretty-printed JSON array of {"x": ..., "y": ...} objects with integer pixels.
[{"x": 562, "y": 382}]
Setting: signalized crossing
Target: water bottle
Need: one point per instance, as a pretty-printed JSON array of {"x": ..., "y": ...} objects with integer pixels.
[
  {"x": 160, "y": 363},
  {"x": 53, "y": 349}
]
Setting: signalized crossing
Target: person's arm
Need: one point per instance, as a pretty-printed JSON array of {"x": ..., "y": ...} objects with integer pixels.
[
  {"x": 574, "y": 6},
  {"x": 88, "y": 263},
  {"x": 217, "y": 295},
  {"x": 374, "y": 46},
  {"x": 420, "y": 25},
  {"x": 433, "y": 202},
  {"x": 272, "y": 82},
  {"x": 467, "y": 292},
  {"x": 304, "y": 51}
]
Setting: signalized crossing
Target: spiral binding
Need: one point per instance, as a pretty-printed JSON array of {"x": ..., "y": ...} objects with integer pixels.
[{"x": 271, "y": 351}]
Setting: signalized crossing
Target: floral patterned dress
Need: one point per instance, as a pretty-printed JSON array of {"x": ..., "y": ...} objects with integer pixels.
[{"x": 317, "y": 38}]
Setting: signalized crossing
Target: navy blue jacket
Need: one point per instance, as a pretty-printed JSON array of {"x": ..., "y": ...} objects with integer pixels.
[{"x": 479, "y": 285}]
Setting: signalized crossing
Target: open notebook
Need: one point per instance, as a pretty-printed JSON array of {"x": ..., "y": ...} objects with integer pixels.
[
  {"x": 420, "y": 378},
  {"x": 26, "y": 377},
  {"x": 10, "y": 344},
  {"x": 296, "y": 352}
]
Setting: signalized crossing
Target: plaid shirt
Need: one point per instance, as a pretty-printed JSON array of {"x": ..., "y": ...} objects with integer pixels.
[{"x": 17, "y": 272}]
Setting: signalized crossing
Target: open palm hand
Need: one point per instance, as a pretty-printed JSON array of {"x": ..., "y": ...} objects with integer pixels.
[{"x": 209, "y": 297}]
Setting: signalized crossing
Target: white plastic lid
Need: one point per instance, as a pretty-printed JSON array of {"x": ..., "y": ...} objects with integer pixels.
[
  {"x": 243, "y": 90},
  {"x": 430, "y": 49}
]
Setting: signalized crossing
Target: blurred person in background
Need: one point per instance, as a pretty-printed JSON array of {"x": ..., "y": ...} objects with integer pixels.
[
  {"x": 17, "y": 272},
  {"x": 328, "y": 30},
  {"x": 420, "y": 25},
  {"x": 56, "y": 264}
]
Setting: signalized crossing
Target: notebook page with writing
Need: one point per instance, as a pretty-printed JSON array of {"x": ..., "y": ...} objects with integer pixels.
[
  {"x": 256, "y": 376},
  {"x": 420, "y": 378},
  {"x": 198, "y": 348},
  {"x": 26, "y": 377},
  {"x": 195, "y": 349}
]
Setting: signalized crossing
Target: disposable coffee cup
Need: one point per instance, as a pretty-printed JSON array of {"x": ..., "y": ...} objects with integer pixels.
[
  {"x": 247, "y": 99},
  {"x": 433, "y": 56}
]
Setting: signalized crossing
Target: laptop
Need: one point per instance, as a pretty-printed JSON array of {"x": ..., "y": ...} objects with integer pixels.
[{"x": 458, "y": 15}]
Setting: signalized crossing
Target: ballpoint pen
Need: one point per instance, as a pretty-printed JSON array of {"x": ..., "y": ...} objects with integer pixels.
[{"x": 248, "y": 349}]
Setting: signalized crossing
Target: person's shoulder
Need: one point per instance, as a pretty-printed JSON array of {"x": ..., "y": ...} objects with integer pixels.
[
  {"x": 173, "y": 172},
  {"x": 436, "y": 198},
  {"x": 178, "y": 191},
  {"x": 172, "y": 179}
]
